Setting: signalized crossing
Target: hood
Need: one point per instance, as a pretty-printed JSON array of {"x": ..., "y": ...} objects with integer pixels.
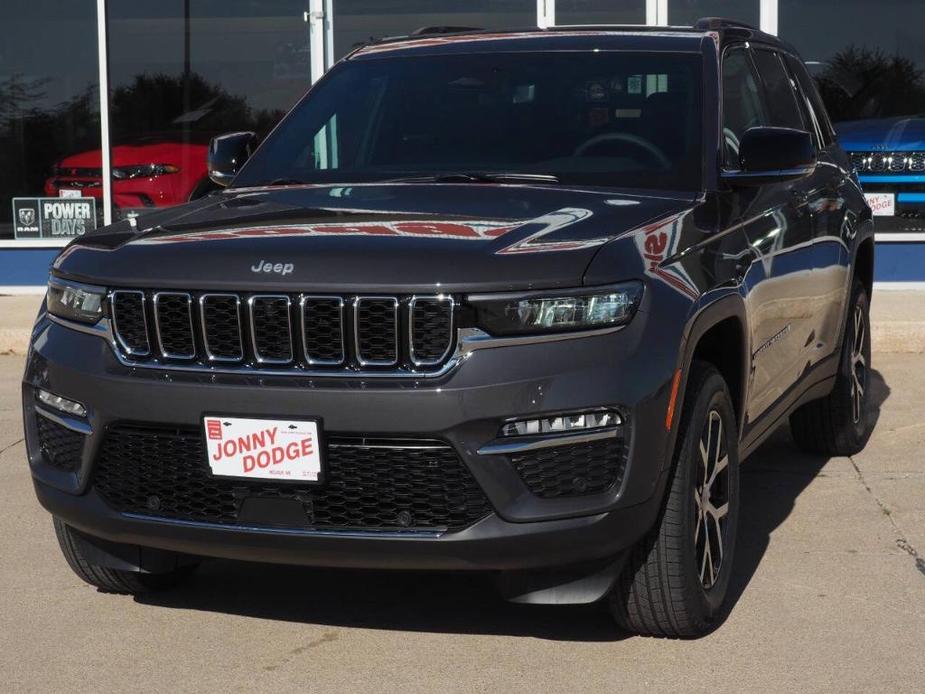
[
  {"x": 888, "y": 134},
  {"x": 161, "y": 152},
  {"x": 370, "y": 238}
]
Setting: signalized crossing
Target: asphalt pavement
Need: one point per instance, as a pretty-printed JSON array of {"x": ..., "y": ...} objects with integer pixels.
[{"x": 829, "y": 596}]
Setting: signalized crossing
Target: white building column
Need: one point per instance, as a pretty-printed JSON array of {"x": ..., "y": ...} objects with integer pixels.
[
  {"x": 545, "y": 13},
  {"x": 768, "y": 17},
  {"x": 103, "y": 64},
  {"x": 657, "y": 12}
]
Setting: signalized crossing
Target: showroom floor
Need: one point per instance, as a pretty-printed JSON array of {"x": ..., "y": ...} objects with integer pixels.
[{"x": 829, "y": 589}]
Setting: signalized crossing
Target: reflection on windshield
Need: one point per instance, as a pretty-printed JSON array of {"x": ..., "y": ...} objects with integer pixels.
[{"x": 591, "y": 118}]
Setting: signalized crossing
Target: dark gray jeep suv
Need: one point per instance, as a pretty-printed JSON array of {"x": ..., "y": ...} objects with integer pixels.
[{"x": 517, "y": 302}]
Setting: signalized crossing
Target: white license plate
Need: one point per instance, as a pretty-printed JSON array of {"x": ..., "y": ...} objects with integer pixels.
[
  {"x": 277, "y": 449},
  {"x": 882, "y": 204},
  {"x": 66, "y": 193}
]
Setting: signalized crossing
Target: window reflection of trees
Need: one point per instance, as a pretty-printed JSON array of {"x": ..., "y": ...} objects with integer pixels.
[{"x": 861, "y": 83}]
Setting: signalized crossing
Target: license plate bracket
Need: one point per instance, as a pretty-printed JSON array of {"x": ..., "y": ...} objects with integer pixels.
[{"x": 265, "y": 448}]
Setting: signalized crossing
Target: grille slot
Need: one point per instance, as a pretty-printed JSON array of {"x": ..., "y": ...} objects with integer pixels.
[
  {"x": 221, "y": 327},
  {"x": 173, "y": 316},
  {"x": 61, "y": 447},
  {"x": 376, "y": 330},
  {"x": 431, "y": 321},
  {"x": 371, "y": 484},
  {"x": 323, "y": 329},
  {"x": 271, "y": 329},
  {"x": 306, "y": 333},
  {"x": 130, "y": 322},
  {"x": 573, "y": 470}
]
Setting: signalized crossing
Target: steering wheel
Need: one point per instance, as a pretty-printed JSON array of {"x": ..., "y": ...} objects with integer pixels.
[{"x": 640, "y": 143}]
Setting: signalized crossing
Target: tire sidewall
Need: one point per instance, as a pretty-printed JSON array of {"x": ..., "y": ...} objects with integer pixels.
[
  {"x": 860, "y": 430},
  {"x": 714, "y": 395}
]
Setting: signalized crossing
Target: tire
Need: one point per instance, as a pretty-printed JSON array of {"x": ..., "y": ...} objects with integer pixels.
[
  {"x": 113, "y": 580},
  {"x": 672, "y": 586},
  {"x": 840, "y": 423}
]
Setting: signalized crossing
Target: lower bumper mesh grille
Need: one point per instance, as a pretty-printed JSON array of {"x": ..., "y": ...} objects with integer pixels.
[
  {"x": 575, "y": 470},
  {"x": 61, "y": 447},
  {"x": 383, "y": 484}
]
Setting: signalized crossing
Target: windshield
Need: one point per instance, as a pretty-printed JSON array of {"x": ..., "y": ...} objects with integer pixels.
[{"x": 593, "y": 118}]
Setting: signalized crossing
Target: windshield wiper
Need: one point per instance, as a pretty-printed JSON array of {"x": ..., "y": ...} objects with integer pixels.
[
  {"x": 477, "y": 177},
  {"x": 284, "y": 182}
]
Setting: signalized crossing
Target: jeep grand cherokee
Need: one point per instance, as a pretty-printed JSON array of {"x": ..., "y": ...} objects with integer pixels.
[{"x": 518, "y": 302}]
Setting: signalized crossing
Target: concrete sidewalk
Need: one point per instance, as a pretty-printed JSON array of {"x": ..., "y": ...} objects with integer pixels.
[{"x": 897, "y": 317}]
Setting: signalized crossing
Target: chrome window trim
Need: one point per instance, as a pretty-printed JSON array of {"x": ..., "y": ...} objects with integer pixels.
[
  {"x": 357, "y": 301},
  {"x": 449, "y": 344},
  {"x": 202, "y": 324},
  {"x": 250, "y": 306},
  {"x": 468, "y": 341},
  {"x": 343, "y": 331},
  {"x": 157, "y": 325},
  {"x": 115, "y": 321}
]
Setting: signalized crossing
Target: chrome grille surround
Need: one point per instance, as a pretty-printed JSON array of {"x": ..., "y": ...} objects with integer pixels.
[
  {"x": 364, "y": 341},
  {"x": 308, "y": 334},
  {"x": 165, "y": 323},
  {"x": 260, "y": 341},
  {"x": 204, "y": 302},
  {"x": 117, "y": 297},
  {"x": 450, "y": 312}
]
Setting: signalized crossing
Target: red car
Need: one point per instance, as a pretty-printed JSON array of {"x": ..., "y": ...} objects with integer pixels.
[{"x": 154, "y": 172}]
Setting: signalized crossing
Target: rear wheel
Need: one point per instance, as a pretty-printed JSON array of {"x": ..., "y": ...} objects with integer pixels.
[
  {"x": 108, "y": 579},
  {"x": 677, "y": 577},
  {"x": 840, "y": 423}
]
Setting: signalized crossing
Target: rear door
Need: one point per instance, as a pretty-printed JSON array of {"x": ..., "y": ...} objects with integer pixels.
[{"x": 832, "y": 227}]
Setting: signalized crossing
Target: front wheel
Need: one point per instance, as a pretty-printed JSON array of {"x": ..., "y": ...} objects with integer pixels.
[
  {"x": 108, "y": 579},
  {"x": 677, "y": 577}
]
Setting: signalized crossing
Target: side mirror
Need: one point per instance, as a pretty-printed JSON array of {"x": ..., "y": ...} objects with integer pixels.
[
  {"x": 771, "y": 155},
  {"x": 227, "y": 154}
]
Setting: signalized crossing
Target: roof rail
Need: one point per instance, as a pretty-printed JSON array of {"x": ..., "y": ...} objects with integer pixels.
[
  {"x": 424, "y": 31},
  {"x": 714, "y": 23}
]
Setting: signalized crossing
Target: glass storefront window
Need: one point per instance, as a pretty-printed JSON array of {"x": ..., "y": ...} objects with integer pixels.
[
  {"x": 183, "y": 71},
  {"x": 358, "y": 21},
  {"x": 48, "y": 109},
  {"x": 869, "y": 64},
  {"x": 686, "y": 12},
  {"x": 600, "y": 12}
]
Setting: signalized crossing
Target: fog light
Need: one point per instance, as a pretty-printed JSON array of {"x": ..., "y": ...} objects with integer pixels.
[
  {"x": 70, "y": 407},
  {"x": 561, "y": 424}
]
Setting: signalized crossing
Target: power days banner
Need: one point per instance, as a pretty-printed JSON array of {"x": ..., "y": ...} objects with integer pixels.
[{"x": 53, "y": 218}]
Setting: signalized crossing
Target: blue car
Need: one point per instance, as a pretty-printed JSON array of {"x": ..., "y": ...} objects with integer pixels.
[{"x": 889, "y": 156}]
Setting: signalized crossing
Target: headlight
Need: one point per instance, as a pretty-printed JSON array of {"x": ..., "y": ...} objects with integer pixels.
[
  {"x": 542, "y": 312},
  {"x": 143, "y": 171},
  {"x": 74, "y": 301}
]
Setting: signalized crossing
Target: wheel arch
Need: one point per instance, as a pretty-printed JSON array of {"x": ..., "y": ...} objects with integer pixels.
[
  {"x": 864, "y": 264},
  {"x": 718, "y": 334}
]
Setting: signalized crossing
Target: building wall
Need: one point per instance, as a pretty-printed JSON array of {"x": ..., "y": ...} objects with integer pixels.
[{"x": 182, "y": 71}]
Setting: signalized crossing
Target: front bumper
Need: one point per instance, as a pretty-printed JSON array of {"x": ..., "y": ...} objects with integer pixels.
[{"x": 464, "y": 408}]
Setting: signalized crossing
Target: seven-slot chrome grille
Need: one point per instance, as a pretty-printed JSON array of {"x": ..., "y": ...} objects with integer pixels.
[
  {"x": 888, "y": 162},
  {"x": 307, "y": 332}
]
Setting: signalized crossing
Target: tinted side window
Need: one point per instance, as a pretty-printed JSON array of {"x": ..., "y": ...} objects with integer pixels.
[
  {"x": 808, "y": 87},
  {"x": 783, "y": 110},
  {"x": 742, "y": 104}
]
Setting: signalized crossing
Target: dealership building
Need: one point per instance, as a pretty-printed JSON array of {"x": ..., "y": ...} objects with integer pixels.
[{"x": 107, "y": 106}]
